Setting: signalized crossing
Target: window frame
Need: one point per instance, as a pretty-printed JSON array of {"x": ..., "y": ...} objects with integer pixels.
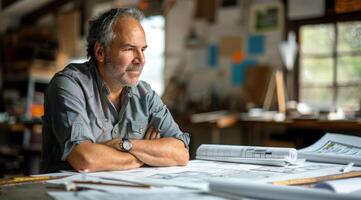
[{"x": 327, "y": 19}]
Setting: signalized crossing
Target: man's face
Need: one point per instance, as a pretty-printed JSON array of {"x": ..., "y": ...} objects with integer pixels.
[{"x": 124, "y": 58}]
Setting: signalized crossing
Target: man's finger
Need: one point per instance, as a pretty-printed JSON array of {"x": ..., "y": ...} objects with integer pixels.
[
  {"x": 148, "y": 133},
  {"x": 153, "y": 134},
  {"x": 158, "y": 135}
]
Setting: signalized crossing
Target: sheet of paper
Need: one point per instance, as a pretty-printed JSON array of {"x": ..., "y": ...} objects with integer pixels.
[
  {"x": 335, "y": 148},
  {"x": 341, "y": 186},
  {"x": 198, "y": 173},
  {"x": 75, "y": 177},
  {"x": 268, "y": 191},
  {"x": 56, "y": 174},
  {"x": 193, "y": 177},
  {"x": 153, "y": 195},
  {"x": 113, "y": 189}
]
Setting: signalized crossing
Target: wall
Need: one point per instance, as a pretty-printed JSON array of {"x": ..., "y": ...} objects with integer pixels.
[{"x": 188, "y": 61}]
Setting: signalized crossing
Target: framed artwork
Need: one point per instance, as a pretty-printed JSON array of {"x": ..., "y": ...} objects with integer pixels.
[{"x": 266, "y": 17}]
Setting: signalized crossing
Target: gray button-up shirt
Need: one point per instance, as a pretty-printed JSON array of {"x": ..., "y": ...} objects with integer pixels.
[{"x": 77, "y": 109}]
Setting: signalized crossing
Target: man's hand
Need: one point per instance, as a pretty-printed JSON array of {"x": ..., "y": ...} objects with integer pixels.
[
  {"x": 99, "y": 157},
  {"x": 152, "y": 134},
  {"x": 153, "y": 150}
]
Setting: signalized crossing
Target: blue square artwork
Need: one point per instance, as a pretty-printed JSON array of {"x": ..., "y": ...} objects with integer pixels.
[
  {"x": 256, "y": 45},
  {"x": 213, "y": 55}
]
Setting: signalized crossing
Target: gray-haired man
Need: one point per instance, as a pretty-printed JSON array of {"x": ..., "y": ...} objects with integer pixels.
[{"x": 99, "y": 116}]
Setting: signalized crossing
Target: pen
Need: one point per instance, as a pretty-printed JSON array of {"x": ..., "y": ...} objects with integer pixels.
[{"x": 347, "y": 168}]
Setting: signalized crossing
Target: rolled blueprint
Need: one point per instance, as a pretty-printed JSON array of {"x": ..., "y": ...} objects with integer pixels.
[{"x": 247, "y": 154}]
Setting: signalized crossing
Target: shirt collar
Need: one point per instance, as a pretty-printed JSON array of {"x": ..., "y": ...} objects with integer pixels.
[{"x": 99, "y": 80}]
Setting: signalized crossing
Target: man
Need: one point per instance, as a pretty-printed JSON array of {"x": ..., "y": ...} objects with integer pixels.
[{"x": 99, "y": 116}]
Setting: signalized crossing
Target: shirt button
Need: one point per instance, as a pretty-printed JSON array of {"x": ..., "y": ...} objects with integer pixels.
[
  {"x": 116, "y": 129},
  {"x": 140, "y": 130}
]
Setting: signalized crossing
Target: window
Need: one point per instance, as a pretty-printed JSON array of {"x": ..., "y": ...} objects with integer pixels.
[
  {"x": 154, "y": 55},
  {"x": 330, "y": 65}
]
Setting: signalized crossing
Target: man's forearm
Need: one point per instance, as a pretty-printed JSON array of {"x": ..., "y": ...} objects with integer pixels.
[
  {"x": 99, "y": 157},
  {"x": 160, "y": 152}
]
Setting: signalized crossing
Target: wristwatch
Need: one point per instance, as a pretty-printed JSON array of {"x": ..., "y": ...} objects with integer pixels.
[{"x": 126, "y": 145}]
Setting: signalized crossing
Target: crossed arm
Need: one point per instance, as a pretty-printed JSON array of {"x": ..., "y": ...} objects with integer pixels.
[{"x": 152, "y": 150}]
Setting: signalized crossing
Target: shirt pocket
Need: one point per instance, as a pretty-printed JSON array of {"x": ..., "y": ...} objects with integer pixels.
[{"x": 137, "y": 128}]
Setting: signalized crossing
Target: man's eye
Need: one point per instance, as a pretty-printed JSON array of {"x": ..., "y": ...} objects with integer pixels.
[{"x": 127, "y": 48}]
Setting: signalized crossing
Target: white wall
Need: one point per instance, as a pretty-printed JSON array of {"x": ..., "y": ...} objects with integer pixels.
[{"x": 190, "y": 65}]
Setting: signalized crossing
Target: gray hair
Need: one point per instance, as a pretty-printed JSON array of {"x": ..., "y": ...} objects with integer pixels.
[{"x": 101, "y": 27}]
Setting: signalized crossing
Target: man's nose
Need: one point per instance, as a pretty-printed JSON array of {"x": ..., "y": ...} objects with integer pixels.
[{"x": 139, "y": 57}]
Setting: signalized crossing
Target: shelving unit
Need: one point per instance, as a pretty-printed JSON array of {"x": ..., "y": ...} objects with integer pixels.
[
  {"x": 35, "y": 80},
  {"x": 27, "y": 128}
]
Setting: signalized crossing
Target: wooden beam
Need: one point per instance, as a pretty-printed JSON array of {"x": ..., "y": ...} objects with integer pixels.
[{"x": 52, "y": 6}]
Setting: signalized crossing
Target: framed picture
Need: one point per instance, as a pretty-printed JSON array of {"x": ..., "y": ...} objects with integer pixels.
[{"x": 266, "y": 17}]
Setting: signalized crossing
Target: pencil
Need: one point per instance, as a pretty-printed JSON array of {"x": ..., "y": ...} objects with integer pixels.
[
  {"x": 27, "y": 179},
  {"x": 31, "y": 178},
  {"x": 304, "y": 181},
  {"x": 128, "y": 181}
]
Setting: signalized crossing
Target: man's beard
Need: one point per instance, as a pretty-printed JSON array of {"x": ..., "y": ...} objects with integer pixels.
[
  {"x": 135, "y": 68},
  {"x": 123, "y": 79},
  {"x": 131, "y": 68}
]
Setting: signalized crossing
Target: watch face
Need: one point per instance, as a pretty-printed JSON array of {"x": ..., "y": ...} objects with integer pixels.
[{"x": 127, "y": 145}]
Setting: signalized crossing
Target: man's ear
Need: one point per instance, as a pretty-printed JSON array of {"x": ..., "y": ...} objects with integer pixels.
[{"x": 99, "y": 52}]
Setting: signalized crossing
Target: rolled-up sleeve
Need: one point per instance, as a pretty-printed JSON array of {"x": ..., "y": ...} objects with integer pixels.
[
  {"x": 162, "y": 119},
  {"x": 69, "y": 118}
]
